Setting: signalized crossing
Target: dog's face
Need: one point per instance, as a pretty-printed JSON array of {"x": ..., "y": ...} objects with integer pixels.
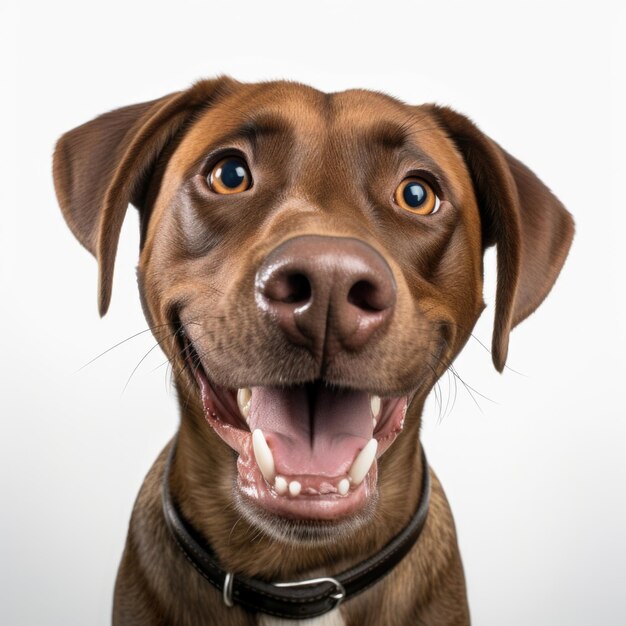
[{"x": 311, "y": 264}]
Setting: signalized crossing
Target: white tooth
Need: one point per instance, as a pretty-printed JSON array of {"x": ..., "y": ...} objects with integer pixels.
[
  {"x": 280, "y": 484},
  {"x": 294, "y": 488},
  {"x": 343, "y": 486},
  {"x": 375, "y": 405},
  {"x": 263, "y": 455},
  {"x": 244, "y": 396},
  {"x": 374, "y": 422},
  {"x": 363, "y": 462}
]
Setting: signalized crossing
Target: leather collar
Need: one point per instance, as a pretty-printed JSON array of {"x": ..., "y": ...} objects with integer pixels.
[{"x": 299, "y": 599}]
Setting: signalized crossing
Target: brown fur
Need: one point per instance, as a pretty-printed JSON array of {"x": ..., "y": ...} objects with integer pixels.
[{"x": 323, "y": 164}]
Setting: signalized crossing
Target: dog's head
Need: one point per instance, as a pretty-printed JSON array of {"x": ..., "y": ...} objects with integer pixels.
[{"x": 311, "y": 264}]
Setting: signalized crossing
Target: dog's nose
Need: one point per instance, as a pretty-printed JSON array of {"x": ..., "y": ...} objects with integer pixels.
[{"x": 326, "y": 293}]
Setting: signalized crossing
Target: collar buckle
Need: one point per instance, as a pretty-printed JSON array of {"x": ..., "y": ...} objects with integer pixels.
[{"x": 338, "y": 595}]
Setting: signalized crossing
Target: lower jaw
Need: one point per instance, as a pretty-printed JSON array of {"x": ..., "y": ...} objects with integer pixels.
[{"x": 315, "y": 507}]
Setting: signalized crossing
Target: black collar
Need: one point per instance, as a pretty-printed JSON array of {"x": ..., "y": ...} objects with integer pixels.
[{"x": 300, "y": 599}]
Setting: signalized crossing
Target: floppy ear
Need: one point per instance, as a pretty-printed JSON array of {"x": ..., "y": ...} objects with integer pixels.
[
  {"x": 105, "y": 164},
  {"x": 530, "y": 228}
]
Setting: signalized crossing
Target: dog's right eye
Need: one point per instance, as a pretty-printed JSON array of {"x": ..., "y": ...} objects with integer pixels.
[{"x": 230, "y": 175}]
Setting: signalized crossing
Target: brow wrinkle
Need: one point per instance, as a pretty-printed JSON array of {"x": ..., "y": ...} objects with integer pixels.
[
  {"x": 265, "y": 125},
  {"x": 388, "y": 135},
  {"x": 252, "y": 130}
]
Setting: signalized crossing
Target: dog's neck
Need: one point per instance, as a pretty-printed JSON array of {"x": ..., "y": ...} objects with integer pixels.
[{"x": 203, "y": 480}]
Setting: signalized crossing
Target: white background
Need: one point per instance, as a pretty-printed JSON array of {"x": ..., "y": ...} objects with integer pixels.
[{"x": 536, "y": 478}]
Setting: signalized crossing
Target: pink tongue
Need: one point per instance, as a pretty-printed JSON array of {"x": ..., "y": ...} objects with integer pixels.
[{"x": 312, "y": 430}]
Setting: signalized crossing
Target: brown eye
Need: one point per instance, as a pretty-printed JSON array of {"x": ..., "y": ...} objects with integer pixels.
[
  {"x": 230, "y": 175},
  {"x": 416, "y": 195}
]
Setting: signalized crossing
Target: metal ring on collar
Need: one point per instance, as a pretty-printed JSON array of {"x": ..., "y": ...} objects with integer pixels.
[
  {"x": 338, "y": 596},
  {"x": 227, "y": 592}
]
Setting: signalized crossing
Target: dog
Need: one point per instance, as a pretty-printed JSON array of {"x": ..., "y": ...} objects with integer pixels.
[{"x": 311, "y": 264}]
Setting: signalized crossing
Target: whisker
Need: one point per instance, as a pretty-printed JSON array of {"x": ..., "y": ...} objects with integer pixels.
[
  {"x": 145, "y": 356},
  {"x": 437, "y": 392},
  {"x": 449, "y": 369},
  {"x": 472, "y": 388},
  {"x": 119, "y": 344}
]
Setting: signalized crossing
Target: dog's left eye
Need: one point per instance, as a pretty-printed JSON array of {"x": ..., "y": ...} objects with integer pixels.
[
  {"x": 417, "y": 196},
  {"x": 230, "y": 175}
]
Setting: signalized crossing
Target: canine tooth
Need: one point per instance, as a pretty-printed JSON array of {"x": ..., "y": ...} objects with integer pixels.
[
  {"x": 363, "y": 462},
  {"x": 343, "y": 486},
  {"x": 244, "y": 395},
  {"x": 374, "y": 422},
  {"x": 263, "y": 455},
  {"x": 280, "y": 484},
  {"x": 294, "y": 488},
  {"x": 375, "y": 405}
]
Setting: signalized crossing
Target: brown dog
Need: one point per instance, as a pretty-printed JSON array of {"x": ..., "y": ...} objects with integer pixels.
[{"x": 311, "y": 264}]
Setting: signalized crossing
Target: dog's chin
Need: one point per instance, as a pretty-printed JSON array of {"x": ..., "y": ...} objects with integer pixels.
[
  {"x": 299, "y": 532},
  {"x": 307, "y": 464}
]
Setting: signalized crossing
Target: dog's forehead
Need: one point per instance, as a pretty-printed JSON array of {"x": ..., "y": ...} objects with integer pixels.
[{"x": 302, "y": 114}]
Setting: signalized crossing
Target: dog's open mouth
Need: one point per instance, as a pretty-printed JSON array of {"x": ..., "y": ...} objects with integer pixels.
[{"x": 305, "y": 451}]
